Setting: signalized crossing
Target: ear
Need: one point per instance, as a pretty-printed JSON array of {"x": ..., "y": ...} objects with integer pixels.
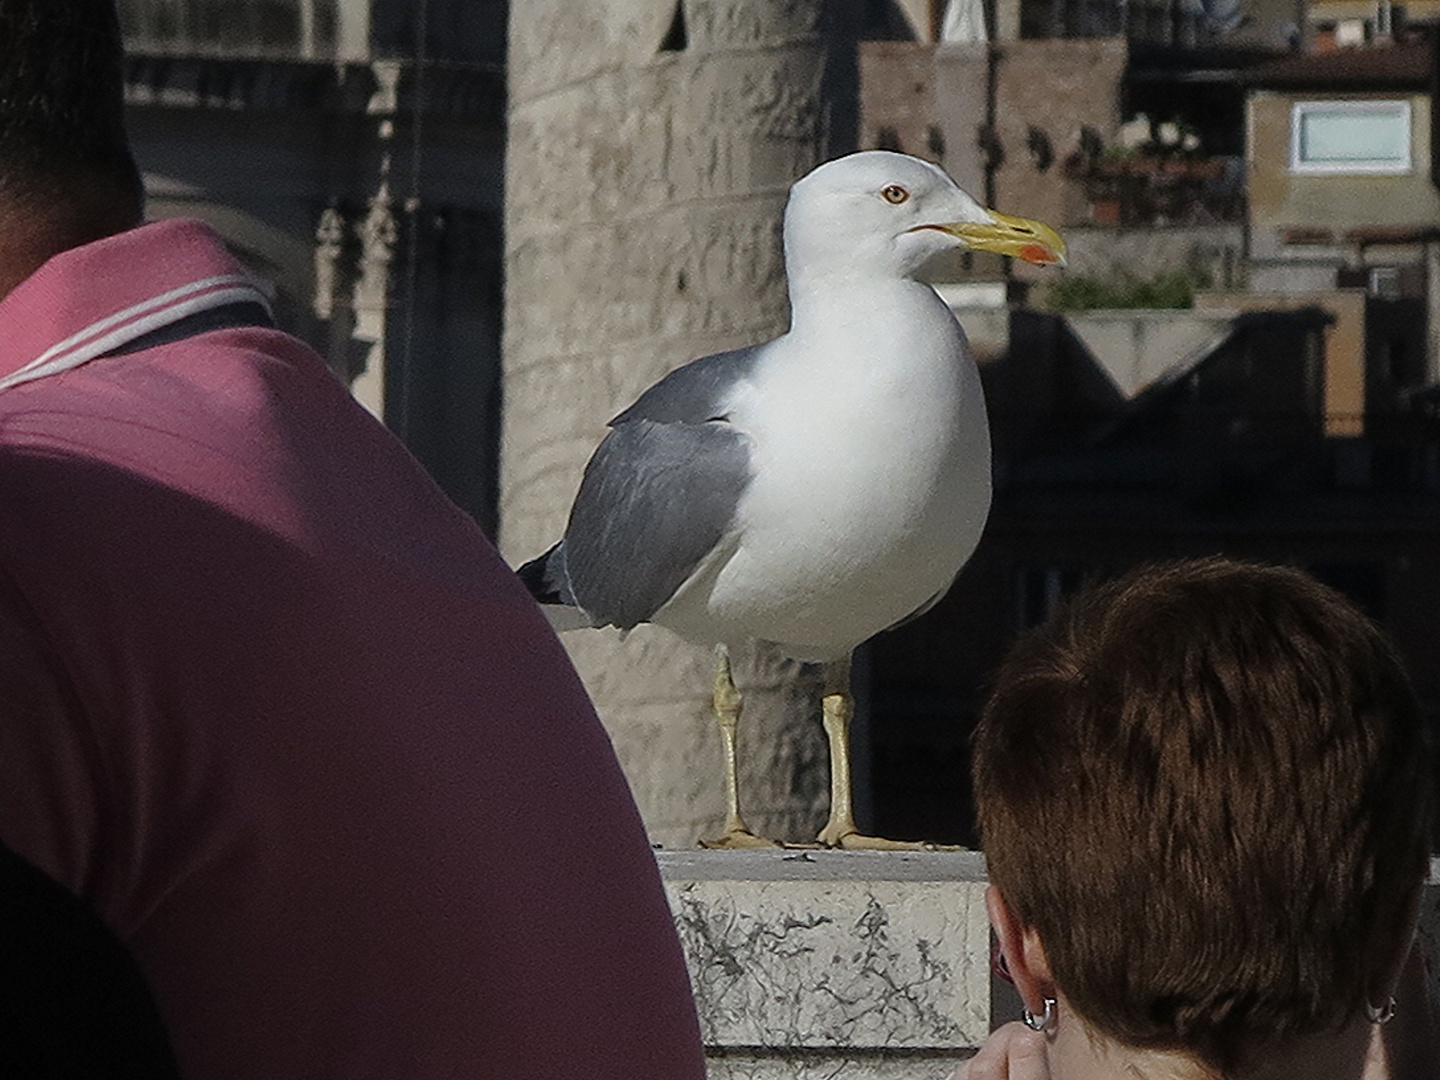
[{"x": 1023, "y": 951}]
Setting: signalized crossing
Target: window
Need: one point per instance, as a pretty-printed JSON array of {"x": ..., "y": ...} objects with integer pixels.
[
  {"x": 1350, "y": 33},
  {"x": 1384, "y": 283},
  {"x": 1350, "y": 137},
  {"x": 289, "y": 28}
]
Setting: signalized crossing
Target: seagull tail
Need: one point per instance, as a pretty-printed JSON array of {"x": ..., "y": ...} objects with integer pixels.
[{"x": 549, "y": 584}]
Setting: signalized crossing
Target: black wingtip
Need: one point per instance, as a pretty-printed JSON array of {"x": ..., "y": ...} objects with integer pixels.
[{"x": 544, "y": 584}]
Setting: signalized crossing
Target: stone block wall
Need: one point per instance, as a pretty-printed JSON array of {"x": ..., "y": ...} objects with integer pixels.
[
  {"x": 844, "y": 965},
  {"x": 935, "y": 100},
  {"x": 897, "y": 102}
]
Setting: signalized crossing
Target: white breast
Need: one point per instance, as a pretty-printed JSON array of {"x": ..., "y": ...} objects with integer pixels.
[{"x": 872, "y": 479}]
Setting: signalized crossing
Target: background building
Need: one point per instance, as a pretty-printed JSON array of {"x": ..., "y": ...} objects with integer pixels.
[
  {"x": 1287, "y": 416},
  {"x": 351, "y": 153},
  {"x": 619, "y": 203}
]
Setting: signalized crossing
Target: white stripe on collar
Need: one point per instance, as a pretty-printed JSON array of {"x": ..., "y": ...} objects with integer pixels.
[{"x": 135, "y": 321}]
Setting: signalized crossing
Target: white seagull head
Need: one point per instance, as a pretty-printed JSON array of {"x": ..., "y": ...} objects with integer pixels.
[{"x": 881, "y": 213}]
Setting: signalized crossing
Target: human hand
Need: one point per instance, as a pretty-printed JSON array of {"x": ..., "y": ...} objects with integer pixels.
[{"x": 1012, "y": 1052}]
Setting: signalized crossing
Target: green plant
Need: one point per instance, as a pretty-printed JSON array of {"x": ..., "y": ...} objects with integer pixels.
[{"x": 1082, "y": 292}]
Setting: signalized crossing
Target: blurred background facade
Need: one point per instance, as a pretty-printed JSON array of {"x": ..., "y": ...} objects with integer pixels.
[
  {"x": 352, "y": 155},
  {"x": 1243, "y": 358}
]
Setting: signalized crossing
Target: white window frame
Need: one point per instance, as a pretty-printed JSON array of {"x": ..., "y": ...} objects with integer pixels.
[{"x": 1397, "y": 109}]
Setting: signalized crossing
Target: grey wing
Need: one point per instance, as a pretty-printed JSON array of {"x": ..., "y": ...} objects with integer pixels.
[
  {"x": 696, "y": 392},
  {"x": 656, "y": 499}
]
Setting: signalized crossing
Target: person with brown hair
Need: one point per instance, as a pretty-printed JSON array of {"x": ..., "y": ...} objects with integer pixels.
[{"x": 1206, "y": 797}]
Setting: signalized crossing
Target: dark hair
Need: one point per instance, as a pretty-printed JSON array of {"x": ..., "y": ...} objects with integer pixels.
[
  {"x": 62, "y": 102},
  {"x": 1207, "y": 788}
]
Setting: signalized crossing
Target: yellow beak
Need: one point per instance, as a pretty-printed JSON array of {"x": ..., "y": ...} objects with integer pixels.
[{"x": 1033, "y": 241}]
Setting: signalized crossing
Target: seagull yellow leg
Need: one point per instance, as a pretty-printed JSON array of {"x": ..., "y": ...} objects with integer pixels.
[
  {"x": 837, "y": 709},
  {"x": 728, "y": 703}
]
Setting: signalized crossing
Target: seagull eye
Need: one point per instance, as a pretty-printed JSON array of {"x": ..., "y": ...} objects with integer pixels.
[{"x": 894, "y": 194}]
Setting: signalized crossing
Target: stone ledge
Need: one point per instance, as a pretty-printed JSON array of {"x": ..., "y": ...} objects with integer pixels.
[
  {"x": 888, "y": 1065},
  {"x": 833, "y": 956},
  {"x": 820, "y": 865}
]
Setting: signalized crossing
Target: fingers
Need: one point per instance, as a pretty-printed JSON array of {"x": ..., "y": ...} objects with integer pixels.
[{"x": 1012, "y": 1052}]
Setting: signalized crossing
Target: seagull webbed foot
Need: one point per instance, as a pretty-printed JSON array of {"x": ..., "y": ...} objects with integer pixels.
[
  {"x": 854, "y": 841},
  {"x": 738, "y": 840}
]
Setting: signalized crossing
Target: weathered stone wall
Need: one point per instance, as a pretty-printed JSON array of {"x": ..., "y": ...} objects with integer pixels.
[
  {"x": 897, "y": 99},
  {"x": 936, "y": 102},
  {"x": 645, "y": 187},
  {"x": 1053, "y": 89},
  {"x": 837, "y": 965}
]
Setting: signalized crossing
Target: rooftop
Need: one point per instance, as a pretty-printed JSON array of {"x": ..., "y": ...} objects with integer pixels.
[{"x": 1408, "y": 65}]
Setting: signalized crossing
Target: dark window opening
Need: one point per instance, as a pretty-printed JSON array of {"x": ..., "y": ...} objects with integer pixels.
[
  {"x": 677, "y": 38},
  {"x": 1040, "y": 590}
]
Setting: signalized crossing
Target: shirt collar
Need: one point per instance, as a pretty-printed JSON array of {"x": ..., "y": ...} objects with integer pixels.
[{"x": 89, "y": 299}]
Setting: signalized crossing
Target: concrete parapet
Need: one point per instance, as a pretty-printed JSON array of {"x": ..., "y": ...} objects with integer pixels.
[
  {"x": 1137, "y": 347},
  {"x": 854, "y": 965}
]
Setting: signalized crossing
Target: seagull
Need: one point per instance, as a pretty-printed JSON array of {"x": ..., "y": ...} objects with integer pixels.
[{"x": 812, "y": 490}]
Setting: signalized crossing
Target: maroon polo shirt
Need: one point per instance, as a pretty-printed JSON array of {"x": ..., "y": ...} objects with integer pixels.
[{"x": 277, "y": 711}]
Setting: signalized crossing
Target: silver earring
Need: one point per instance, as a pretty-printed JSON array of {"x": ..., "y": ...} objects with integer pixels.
[
  {"x": 1381, "y": 1014},
  {"x": 1046, "y": 1020}
]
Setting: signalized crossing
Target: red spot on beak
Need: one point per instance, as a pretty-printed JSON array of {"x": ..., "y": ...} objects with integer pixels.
[{"x": 1040, "y": 256}]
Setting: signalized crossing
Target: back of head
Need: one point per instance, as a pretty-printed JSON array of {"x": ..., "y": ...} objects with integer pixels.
[
  {"x": 64, "y": 159},
  {"x": 1207, "y": 789}
]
